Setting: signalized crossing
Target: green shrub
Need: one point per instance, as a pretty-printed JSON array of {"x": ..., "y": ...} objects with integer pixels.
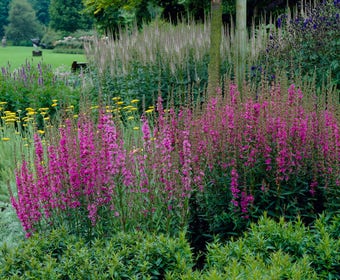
[
  {"x": 269, "y": 250},
  {"x": 276, "y": 250},
  {"x": 125, "y": 256},
  {"x": 323, "y": 247},
  {"x": 50, "y": 38}
]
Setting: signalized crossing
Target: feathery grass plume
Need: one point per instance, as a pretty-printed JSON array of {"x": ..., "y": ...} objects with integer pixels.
[{"x": 162, "y": 58}]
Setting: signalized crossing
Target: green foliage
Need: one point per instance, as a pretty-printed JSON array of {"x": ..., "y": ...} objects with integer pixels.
[
  {"x": 4, "y": 7},
  {"x": 213, "y": 214},
  {"x": 145, "y": 82},
  {"x": 324, "y": 247},
  {"x": 23, "y": 24},
  {"x": 269, "y": 250},
  {"x": 35, "y": 87},
  {"x": 50, "y": 38},
  {"x": 310, "y": 42},
  {"x": 276, "y": 250},
  {"x": 10, "y": 227},
  {"x": 67, "y": 16},
  {"x": 124, "y": 256},
  {"x": 110, "y": 16},
  {"x": 41, "y": 10}
]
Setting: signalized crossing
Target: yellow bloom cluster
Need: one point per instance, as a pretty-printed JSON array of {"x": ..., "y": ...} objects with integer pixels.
[
  {"x": 9, "y": 117},
  {"x": 118, "y": 107}
]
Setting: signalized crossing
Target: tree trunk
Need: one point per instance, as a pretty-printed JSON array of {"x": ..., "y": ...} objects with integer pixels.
[
  {"x": 215, "y": 46},
  {"x": 241, "y": 31}
]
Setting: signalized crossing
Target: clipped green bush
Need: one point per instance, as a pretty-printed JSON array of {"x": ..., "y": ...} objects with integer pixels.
[
  {"x": 280, "y": 250},
  {"x": 269, "y": 250},
  {"x": 125, "y": 256}
]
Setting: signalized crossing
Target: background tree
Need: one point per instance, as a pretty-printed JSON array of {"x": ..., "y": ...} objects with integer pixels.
[
  {"x": 41, "y": 9},
  {"x": 3, "y": 16},
  {"x": 67, "y": 16},
  {"x": 172, "y": 9},
  {"x": 109, "y": 15},
  {"x": 23, "y": 24}
]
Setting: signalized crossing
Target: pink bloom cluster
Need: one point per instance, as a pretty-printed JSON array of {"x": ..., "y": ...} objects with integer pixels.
[{"x": 272, "y": 140}]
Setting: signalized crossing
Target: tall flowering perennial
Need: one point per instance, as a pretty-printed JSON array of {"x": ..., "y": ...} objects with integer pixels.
[
  {"x": 264, "y": 153},
  {"x": 27, "y": 203},
  {"x": 88, "y": 178},
  {"x": 306, "y": 38},
  {"x": 271, "y": 151},
  {"x": 74, "y": 174}
]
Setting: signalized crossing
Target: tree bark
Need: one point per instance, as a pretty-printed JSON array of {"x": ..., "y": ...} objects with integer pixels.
[
  {"x": 241, "y": 31},
  {"x": 215, "y": 48}
]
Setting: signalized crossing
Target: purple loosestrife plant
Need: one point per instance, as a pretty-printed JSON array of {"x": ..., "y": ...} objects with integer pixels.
[
  {"x": 235, "y": 158},
  {"x": 91, "y": 182},
  {"x": 275, "y": 154}
]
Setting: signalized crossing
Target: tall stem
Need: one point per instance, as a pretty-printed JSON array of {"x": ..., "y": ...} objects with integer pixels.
[
  {"x": 241, "y": 37},
  {"x": 215, "y": 47}
]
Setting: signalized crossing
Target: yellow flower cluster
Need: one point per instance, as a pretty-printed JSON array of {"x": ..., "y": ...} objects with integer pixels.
[
  {"x": 9, "y": 117},
  {"x": 55, "y": 103},
  {"x": 119, "y": 106},
  {"x": 150, "y": 110}
]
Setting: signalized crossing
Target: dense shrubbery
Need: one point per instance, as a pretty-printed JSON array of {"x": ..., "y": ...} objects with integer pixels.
[
  {"x": 123, "y": 256},
  {"x": 269, "y": 250}
]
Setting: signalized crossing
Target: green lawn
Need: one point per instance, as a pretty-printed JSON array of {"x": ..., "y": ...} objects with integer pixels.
[{"x": 17, "y": 56}]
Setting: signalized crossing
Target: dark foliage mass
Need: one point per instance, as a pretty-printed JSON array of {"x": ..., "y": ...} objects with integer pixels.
[{"x": 311, "y": 42}]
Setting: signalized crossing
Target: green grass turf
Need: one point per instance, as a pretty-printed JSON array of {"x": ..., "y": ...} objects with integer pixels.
[{"x": 17, "y": 56}]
